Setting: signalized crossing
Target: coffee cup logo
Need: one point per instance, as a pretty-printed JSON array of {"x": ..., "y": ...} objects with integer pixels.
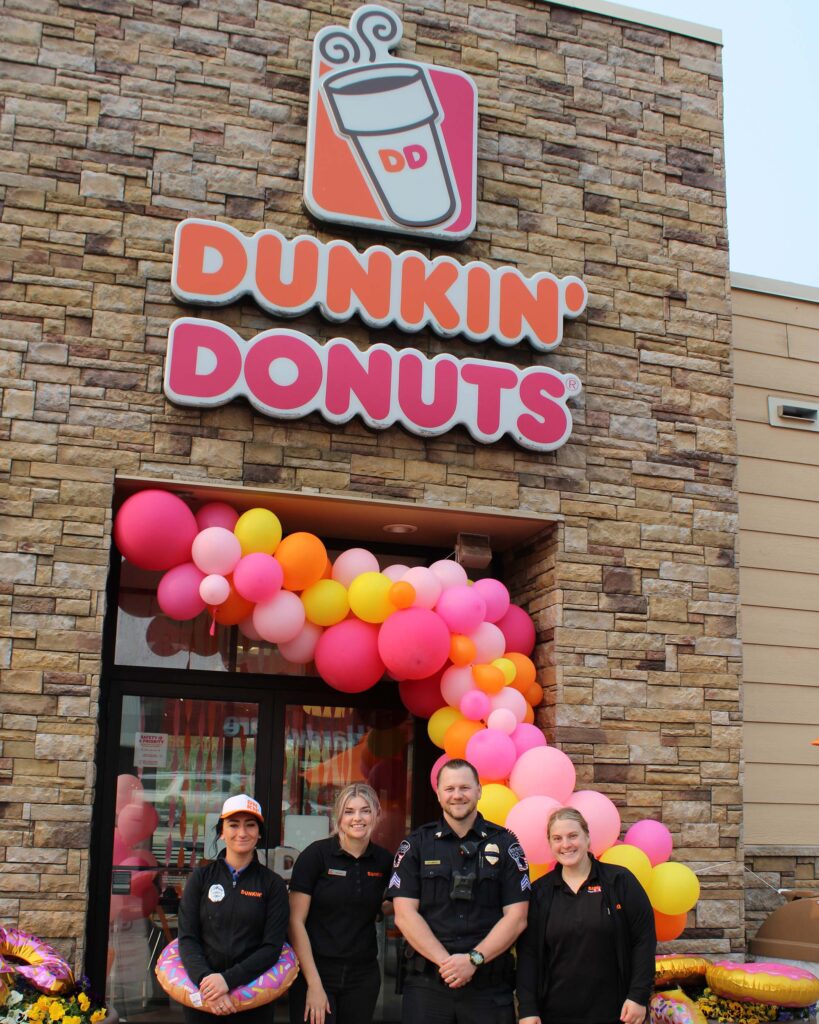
[{"x": 391, "y": 142}]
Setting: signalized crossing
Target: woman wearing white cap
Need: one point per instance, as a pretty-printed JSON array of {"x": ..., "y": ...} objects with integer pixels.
[{"x": 233, "y": 916}]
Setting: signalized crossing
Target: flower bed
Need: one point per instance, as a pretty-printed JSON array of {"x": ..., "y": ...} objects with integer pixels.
[{"x": 25, "y": 1005}]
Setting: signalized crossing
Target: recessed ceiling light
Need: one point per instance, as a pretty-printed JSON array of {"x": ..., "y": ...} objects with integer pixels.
[{"x": 399, "y": 528}]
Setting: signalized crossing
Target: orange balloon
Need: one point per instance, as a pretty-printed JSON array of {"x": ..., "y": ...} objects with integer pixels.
[
  {"x": 524, "y": 671},
  {"x": 534, "y": 694},
  {"x": 458, "y": 735},
  {"x": 402, "y": 594},
  {"x": 303, "y": 558},
  {"x": 461, "y": 650},
  {"x": 488, "y": 678},
  {"x": 669, "y": 926},
  {"x": 235, "y": 608},
  {"x": 328, "y": 570},
  {"x": 529, "y": 716},
  {"x": 537, "y": 871}
]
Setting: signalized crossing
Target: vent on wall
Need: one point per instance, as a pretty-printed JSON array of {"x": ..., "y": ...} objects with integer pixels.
[{"x": 793, "y": 413}]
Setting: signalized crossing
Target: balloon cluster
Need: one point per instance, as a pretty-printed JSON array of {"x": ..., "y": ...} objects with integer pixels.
[{"x": 136, "y": 822}]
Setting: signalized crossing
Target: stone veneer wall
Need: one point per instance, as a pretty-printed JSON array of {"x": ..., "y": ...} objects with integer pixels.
[{"x": 601, "y": 155}]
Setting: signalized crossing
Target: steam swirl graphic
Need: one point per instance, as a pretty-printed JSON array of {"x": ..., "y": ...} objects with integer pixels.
[{"x": 375, "y": 28}]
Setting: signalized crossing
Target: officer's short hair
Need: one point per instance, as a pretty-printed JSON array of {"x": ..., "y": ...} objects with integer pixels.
[
  {"x": 567, "y": 814},
  {"x": 355, "y": 789},
  {"x": 454, "y": 764}
]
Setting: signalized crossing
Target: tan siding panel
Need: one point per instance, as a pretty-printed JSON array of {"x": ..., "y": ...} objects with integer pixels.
[
  {"x": 803, "y": 343},
  {"x": 769, "y": 588},
  {"x": 775, "y": 743},
  {"x": 785, "y": 783},
  {"x": 760, "y": 336},
  {"x": 770, "y": 551},
  {"x": 791, "y": 375},
  {"x": 787, "y": 516},
  {"x": 782, "y": 824},
  {"x": 795, "y": 666},
  {"x": 780, "y": 479},
  {"x": 751, "y": 404},
  {"x": 787, "y": 705},
  {"x": 762, "y": 441},
  {"x": 775, "y": 307},
  {"x": 780, "y": 627}
]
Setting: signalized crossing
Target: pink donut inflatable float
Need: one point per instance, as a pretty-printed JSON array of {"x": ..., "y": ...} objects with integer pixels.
[
  {"x": 40, "y": 964},
  {"x": 674, "y": 1007},
  {"x": 780, "y": 984},
  {"x": 172, "y": 976}
]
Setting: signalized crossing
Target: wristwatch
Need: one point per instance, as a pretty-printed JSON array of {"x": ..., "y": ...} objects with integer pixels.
[{"x": 476, "y": 958}]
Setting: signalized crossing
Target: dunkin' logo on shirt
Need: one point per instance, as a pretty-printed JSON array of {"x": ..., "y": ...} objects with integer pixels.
[{"x": 391, "y": 142}]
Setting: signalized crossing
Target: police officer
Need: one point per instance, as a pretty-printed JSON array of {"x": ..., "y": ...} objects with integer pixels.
[{"x": 460, "y": 888}]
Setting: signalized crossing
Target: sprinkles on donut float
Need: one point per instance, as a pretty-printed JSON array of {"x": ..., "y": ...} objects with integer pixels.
[
  {"x": 779, "y": 984},
  {"x": 40, "y": 964}
]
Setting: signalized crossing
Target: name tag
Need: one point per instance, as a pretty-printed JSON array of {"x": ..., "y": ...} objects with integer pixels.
[
  {"x": 336, "y": 872},
  {"x": 432, "y": 862}
]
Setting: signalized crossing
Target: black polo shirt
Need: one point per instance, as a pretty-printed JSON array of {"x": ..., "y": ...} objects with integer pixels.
[
  {"x": 346, "y": 895},
  {"x": 579, "y": 933},
  {"x": 423, "y": 870}
]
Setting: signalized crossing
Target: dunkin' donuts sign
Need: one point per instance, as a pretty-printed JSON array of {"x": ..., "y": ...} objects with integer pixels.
[{"x": 391, "y": 145}]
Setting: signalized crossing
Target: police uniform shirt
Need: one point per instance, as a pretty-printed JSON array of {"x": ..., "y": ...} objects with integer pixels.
[
  {"x": 582, "y": 957},
  {"x": 346, "y": 896},
  {"x": 423, "y": 870}
]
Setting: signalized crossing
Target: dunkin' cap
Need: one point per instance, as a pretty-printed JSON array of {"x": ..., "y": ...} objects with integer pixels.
[{"x": 241, "y": 803}]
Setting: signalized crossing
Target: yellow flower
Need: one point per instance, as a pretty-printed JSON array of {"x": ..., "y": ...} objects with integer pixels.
[
  {"x": 44, "y": 1002},
  {"x": 56, "y": 1011},
  {"x": 98, "y": 1015},
  {"x": 84, "y": 1001},
  {"x": 34, "y": 1012}
]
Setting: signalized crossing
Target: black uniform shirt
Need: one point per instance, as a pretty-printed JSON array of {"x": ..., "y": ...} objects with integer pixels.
[
  {"x": 346, "y": 895},
  {"x": 582, "y": 957},
  {"x": 423, "y": 869}
]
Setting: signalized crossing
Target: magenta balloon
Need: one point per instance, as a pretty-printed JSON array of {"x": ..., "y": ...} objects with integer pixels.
[
  {"x": 178, "y": 592},
  {"x": 155, "y": 530},
  {"x": 258, "y": 577},
  {"x": 217, "y": 513},
  {"x": 653, "y": 838},
  {"x": 422, "y": 697},
  {"x": 136, "y": 822},
  {"x": 281, "y": 618},
  {"x": 492, "y": 753},
  {"x": 475, "y": 705},
  {"x": 302, "y": 648},
  {"x": 526, "y": 737},
  {"x": 439, "y": 764},
  {"x": 128, "y": 788},
  {"x": 518, "y": 629},
  {"x": 462, "y": 609},
  {"x": 347, "y": 656},
  {"x": 496, "y": 597},
  {"x": 528, "y": 820},
  {"x": 214, "y": 590},
  {"x": 456, "y": 683},
  {"x": 413, "y": 643},
  {"x": 543, "y": 771},
  {"x": 602, "y": 816}
]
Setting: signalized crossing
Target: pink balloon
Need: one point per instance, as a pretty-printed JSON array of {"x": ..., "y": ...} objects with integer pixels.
[
  {"x": 422, "y": 697},
  {"x": 216, "y": 551},
  {"x": 504, "y": 721},
  {"x": 247, "y": 629},
  {"x": 413, "y": 643},
  {"x": 258, "y": 577},
  {"x": 543, "y": 771},
  {"x": 449, "y": 573},
  {"x": 475, "y": 705},
  {"x": 353, "y": 562},
  {"x": 140, "y": 880},
  {"x": 462, "y": 609},
  {"x": 511, "y": 700},
  {"x": 492, "y": 753},
  {"x": 214, "y": 590},
  {"x": 347, "y": 656},
  {"x": 496, "y": 597},
  {"x": 178, "y": 592},
  {"x": 518, "y": 629},
  {"x": 489, "y": 643},
  {"x": 280, "y": 619},
  {"x": 456, "y": 683},
  {"x": 395, "y": 572},
  {"x": 217, "y": 513},
  {"x": 526, "y": 737},
  {"x": 155, "y": 530},
  {"x": 653, "y": 838},
  {"x": 129, "y": 788},
  {"x": 602, "y": 816},
  {"x": 528, "y": 820},
  {"x": 121, "y": 849},
  {"x": 301, "y": 650},
  {"x": 439, "y": 764},
  {"x": 136, "y": 822},
  {"x": 427, "y": 586}
]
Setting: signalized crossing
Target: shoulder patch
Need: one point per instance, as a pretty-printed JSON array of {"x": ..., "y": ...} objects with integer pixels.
[
  {"x": 395, "y": 882},
  {"x": 519, "y": 857},
  {"x": 525, "y": 883},
  {"x": 401, "y": 852}
]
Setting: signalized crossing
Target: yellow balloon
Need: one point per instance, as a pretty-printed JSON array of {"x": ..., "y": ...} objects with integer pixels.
[
  {"x": 440, "y": 721},
  {"x": 633, "y": 858},
  {"x": 507, "y": 667},
  {"x": 326, "y": 602},
  {"x": 258, "y": 529},
  {"x": 674, "y": 888},
  {"x": 370, "y": 597},
  {"x": 496, "y": 802}
]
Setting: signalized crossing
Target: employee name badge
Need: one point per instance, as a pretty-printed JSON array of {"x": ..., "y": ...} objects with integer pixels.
[{"x": 216, "y": 894}]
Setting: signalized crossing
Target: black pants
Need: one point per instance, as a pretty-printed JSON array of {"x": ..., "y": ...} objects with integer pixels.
[
  {"x": 259, "y": 1015},
  {"x": 352, "y": 991},
  {"x": 427, "y": 1000}
]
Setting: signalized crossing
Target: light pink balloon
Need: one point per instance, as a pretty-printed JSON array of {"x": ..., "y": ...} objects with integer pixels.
[
  {"x": 217, "y": 513},
  {"x": 528, "y": 820},
  {"x": 475, "y": 705},
  {"x": 496, "y": 597},
  {"x": 129, "y": 788},
  {"x": 462, "y": 609},
  {"x": 543, "y": 771},
  {"x": 395, "y": 572},
  {"x": 302, "y": 648},
  {"x": 518, "y": 630},
  {"x": 526, "y": 737},
  {"x": 216, "y": 551},
  {"x": 178, "y": 592},
  {"x": 653, "y": 838},
  {"x": 280, "y": 619},
  {"x": 353, "y": 562},
  {"x": 247, "y": 629},
  {"x": 511, "y": 700},
  {"x": 504, "y": 721},
  {"x": 492, "y": 753},
  {"x": 449, "y": 573},
  {"x": 489, "y": 643},
  {"x": 602, "y": 816},
  {"x": 427, "y": 586},
  {"x": 439, "y": 764},
  {"x": 214, "y": 590},
  {"x": 136, "y": 822},
  {"x": 455, "y": 684},
  {"x": 258, "y": 577}
]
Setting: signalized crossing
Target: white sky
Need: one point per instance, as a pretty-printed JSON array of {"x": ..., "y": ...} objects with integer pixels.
[{"x": 771, "y": 81}]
